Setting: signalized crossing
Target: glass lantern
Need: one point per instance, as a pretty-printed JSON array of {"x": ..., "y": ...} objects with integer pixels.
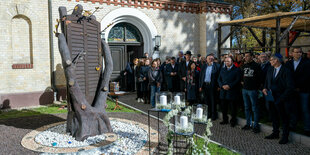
[
  {"x": 183, "y": 123},
  {"x": 163, "y": 100},
  {"x": 200, "y": 113},
  {"x": 178, "y": 100}
]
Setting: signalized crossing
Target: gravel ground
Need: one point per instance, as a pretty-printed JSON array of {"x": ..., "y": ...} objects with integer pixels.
[{"x": 245, "y": 142}]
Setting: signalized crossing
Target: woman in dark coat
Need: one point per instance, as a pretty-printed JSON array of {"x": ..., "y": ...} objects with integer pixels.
[
  {"x": 145, "y": 84},
  {"x": 130, "y": 74},
  {"x": 229, "y": 82},
  {"x": 192, "y": 83},
  {"x": 155, "y": 79},
  {"x": 139, "y": 80}
]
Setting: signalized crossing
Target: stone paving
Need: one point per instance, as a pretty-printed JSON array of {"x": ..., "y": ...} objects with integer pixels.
[{"x": 245, "y": 142}]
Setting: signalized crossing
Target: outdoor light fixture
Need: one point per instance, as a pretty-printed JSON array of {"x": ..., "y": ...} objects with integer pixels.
[{"x": 157, "y": 42}]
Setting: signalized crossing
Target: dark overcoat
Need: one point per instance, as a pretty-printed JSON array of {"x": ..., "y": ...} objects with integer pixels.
[
  {"x": 231, "y": 77},
  {"x": 172, "y": 81}
]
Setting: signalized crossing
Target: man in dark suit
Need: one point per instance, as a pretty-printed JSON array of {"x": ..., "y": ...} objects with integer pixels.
[
  {"x": 183, "y": 67},
  {"x": 262, "y": 104},
  {"x": 172, "y": 76},
  {"x": 180, "y": 57},
  {"x": 300, "y": 68},
  {"x": 208, "y": 84},
  {"x": 229, "y": 82},
  {"x": 278, "y": 87},
  {"x": 264, "y": 63}
]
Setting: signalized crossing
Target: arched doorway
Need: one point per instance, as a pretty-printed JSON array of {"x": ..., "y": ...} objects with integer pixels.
[{"x": 126, "y": 43}]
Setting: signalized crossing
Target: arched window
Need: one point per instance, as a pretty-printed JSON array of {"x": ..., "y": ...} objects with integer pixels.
[
  {"x": 22, "y": 42},
  {"x": 124, "y": 32}
]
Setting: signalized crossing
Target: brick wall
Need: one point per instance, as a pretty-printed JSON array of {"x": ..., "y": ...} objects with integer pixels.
[{"x": 24, "y": 60}]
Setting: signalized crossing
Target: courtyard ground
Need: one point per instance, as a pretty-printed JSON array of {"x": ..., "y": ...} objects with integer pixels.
[
  {"x": 13, "y": 129},
  {"x": 245, "y": 142}
]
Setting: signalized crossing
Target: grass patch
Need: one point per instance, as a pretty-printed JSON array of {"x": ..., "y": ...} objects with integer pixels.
[
  {"x": 111, "y": 105},
  {"x": 51, "y": 109},
  {"x": 214, "y": 148},
  {"x": 54, "y": 109}
]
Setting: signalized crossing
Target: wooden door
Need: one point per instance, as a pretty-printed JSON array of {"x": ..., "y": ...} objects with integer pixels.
[
  {"x": 84, "y": 36},
  {"x": 119, "y": 64}
]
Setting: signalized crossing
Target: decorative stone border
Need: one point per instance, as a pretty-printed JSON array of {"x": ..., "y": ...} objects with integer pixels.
[
  {"x": 202, "y": 7},
  {"x": 29, "y": 142}
]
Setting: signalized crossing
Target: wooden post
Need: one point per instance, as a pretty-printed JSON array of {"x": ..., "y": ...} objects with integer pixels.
[
  {"x": 278, "y": 32},
  {"x": 219, "y": 40},
  {"x": 287, "y": 49},
  {"x": 264, "y": 40}
]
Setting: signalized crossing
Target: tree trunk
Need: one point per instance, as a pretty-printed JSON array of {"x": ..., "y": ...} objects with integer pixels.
[{"x": 85, "y": 119}]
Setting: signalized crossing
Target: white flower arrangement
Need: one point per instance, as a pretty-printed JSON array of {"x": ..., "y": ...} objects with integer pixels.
[
  {"x": 200, "y": 120},
  {"x": 161, "y": 106},
  {"x": 181, "y": 105},
  {"x": 169, "y": 136},
  {"x": 189, "y": 129},
  {"x": 206, "y": 137}
]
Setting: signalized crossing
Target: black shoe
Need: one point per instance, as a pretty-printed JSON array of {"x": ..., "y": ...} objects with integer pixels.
[
  {"x": 246, "y": 127},
  {"x": 272, "y": 136},
  {"x": 233, "y": 122},
  {"x": 283, "y": 140},
  {"x": 224, "y": 122},
  {"x": 256, "y": 129}
]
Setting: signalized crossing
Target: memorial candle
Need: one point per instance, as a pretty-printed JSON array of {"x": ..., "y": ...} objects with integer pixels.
[
  {"x": 199, "y": 113},
  {"x": 163, "y": 99},
  {"x": 177, "y": 100},
  {"x": 183, "y": 121}
]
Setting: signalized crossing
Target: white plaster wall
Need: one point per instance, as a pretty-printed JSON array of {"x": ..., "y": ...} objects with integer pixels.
[
  {"x": 179, "y": 31},
  {"x": 212, "y": 20},
  {"x": 24, "y": 80}
]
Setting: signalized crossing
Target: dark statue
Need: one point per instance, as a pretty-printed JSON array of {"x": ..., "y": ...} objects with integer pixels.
[{"x": 86, "y": 117}]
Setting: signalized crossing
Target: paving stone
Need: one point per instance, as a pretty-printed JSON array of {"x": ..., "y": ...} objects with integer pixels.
[{"x": 245, "y": 142}]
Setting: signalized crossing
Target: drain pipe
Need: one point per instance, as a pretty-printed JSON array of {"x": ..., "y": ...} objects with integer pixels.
[{"x": 50, "y": 23}]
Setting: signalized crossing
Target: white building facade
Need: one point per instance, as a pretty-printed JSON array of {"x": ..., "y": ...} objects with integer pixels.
[{"x": 30, "y": 61}]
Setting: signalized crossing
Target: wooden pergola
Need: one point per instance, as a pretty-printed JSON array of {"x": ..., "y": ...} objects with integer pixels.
[{"x": 281, "y": 22}]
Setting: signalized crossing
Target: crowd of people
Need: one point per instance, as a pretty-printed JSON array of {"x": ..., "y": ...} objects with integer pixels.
[{"x": 259, "y": 83}]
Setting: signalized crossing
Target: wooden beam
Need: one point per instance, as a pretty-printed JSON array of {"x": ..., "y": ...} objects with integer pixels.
[
  {"x": 278, "y": 32},
  {"x": 265, "y": 19},
  {"x": 255, "y": 36},
  {"x": 257, "y": 27},
  {"x": 264, "y": 40},
  {"x": 301, "y": 46},
  {"x": 230, "y": 33},
  {"x": 219, "y": 39},
  {"x": 284, "y": 35},
  {"x": 304, "y": 17}
]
